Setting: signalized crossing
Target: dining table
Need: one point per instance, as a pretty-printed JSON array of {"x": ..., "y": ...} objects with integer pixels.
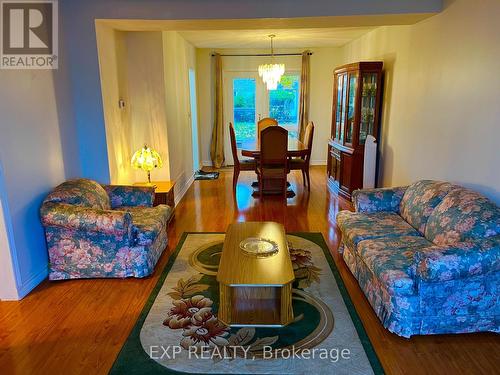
[{"x": 251, "y": 149}]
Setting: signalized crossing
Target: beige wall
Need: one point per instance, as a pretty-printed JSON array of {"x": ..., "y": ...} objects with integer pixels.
[
  {"x": 149, "y": 71},
  {"x": 323, "y": 62},
  {"x": 441, "y": 106},
  {"x": 145, "y": 85},
  {"x": 112, "y": 54},
  {"x": 179, "y": 57}
]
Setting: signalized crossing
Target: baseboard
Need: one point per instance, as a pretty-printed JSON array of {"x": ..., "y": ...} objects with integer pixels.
[
  {"x": 318, "y": 162},
  {"x": 206, "y": 163},
  {"x": 32, "y": 282},
  {"x": 183, "y": 190}
]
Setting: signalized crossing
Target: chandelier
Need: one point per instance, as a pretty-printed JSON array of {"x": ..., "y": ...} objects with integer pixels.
[{"x": 271, "y": 73}]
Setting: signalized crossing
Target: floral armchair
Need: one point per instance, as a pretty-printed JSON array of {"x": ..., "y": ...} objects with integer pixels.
[
  {"x": 427, "y": 257},
  {"x": 97, "y": 231}
]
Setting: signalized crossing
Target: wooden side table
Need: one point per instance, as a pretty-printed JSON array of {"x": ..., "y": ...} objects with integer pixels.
[{"x": 164, "y": 192}]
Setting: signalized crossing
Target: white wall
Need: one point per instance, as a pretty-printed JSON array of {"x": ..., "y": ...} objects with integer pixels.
[
  {"x": 441, "y": 104},
  {"x": 323, "y": 62},
  {"x": 8, "y": 285}
]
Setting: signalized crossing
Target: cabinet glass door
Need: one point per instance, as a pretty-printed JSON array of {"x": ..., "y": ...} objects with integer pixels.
[
  {"x": 339, "y": 121},
  {"x": 368, "y": 99},
  {"x": 353, "y": 81},
  {"x": 343, "y": 107}
]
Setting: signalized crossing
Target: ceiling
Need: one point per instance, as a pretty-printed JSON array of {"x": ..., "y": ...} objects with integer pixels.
[{"x": 285, "y": 38}]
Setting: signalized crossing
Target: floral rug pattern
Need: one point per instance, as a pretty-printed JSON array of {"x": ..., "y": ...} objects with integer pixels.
[{"x": 194, "y": 313}]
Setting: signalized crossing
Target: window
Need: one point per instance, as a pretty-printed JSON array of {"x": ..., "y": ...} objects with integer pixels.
[
  {"x": 284, "y": 103},
  {"x": 244, "y": 109},
  {"x": 246, "y": 100}
]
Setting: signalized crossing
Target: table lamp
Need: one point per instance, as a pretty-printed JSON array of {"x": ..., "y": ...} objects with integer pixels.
[{"x": 146, "y": 159}]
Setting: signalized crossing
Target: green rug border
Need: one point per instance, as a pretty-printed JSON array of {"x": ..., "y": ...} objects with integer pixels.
[{"x": 132, "y": 359}]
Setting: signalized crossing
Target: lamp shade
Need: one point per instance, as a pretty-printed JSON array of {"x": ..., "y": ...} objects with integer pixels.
[{"x": 146, "y": 159}]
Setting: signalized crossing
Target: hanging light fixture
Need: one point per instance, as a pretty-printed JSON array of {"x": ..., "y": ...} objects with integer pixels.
[{"x": 271, "y": 73}]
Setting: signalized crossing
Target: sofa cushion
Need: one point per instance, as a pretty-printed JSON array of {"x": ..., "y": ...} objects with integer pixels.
[
  {"x": 126, "y": 195},
  {"x": 392, "y": 262},
  {"x": 356, "y": 226},
  {"x": 420, "y": 199},
  {"x": 463, "y": 215},
  {"x": 463, "y": 259},
  {"x": 378, "y": 200},
  {"x": 147, "y": 222},
  {"x": 80, "y": 192},
  {"x": 84, "y": 219}
]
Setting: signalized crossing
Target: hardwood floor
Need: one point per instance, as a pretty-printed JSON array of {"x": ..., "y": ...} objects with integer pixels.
[{"x": 78, "y": 326}]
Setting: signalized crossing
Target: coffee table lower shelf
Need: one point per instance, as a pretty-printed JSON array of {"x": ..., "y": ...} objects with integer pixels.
[{"x": 255, "y": 305}]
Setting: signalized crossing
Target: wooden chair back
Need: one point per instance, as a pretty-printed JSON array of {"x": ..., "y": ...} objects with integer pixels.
[
  {"x": 274, "y": 147},
  {"x": 234, "y": 148},
  {"x": 308, "y": 139},
  {"x": 265, "y": 123}
]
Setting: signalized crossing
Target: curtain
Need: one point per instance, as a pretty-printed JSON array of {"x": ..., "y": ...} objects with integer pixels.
[
  {"x": 304, "y": 95},
  {"x": 217, "y": 145}
]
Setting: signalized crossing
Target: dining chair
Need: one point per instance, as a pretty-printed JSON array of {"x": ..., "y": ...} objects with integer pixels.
[
  {"x": 239, "y": 165},
  {"x": 265, "y": 123},
  {"x": 273, "y": 162},
  {"x": 304, "y": 162}
]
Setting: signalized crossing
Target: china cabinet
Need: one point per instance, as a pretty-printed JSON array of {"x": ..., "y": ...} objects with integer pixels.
[{"x": 357, "y": 94}]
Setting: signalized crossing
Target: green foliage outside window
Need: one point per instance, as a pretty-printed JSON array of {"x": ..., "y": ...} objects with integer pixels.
[{"x": 283, "y": 105}]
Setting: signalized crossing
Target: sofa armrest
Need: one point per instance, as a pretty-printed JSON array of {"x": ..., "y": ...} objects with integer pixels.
[
  {"x": 124, "y": 195},
  {"x": 464, "y": 259},
  {"x": 376, "y": 200},
  {"x": 86, "y": 219}
]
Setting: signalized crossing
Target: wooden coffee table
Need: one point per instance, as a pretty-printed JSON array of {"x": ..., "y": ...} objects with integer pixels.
[{"x": 255, "y": 291}]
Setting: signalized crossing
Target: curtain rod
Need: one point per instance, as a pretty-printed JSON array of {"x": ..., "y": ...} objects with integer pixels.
[{"x": 264, "y": 54}]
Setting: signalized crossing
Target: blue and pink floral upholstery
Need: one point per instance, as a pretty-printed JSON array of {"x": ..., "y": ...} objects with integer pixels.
[
  {"x": 427, "y": 257},
  {"x": 103, "y": 231}
]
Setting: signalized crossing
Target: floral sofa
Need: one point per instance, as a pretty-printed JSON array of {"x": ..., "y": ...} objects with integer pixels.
[
  {"x": 427, "y": 257},
  {"x": 95, "y": 230}
]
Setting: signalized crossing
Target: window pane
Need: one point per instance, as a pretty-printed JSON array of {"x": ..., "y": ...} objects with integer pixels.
[
  {"x": 244, "y": 109},
  {"x": 284, "y": 103}
]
